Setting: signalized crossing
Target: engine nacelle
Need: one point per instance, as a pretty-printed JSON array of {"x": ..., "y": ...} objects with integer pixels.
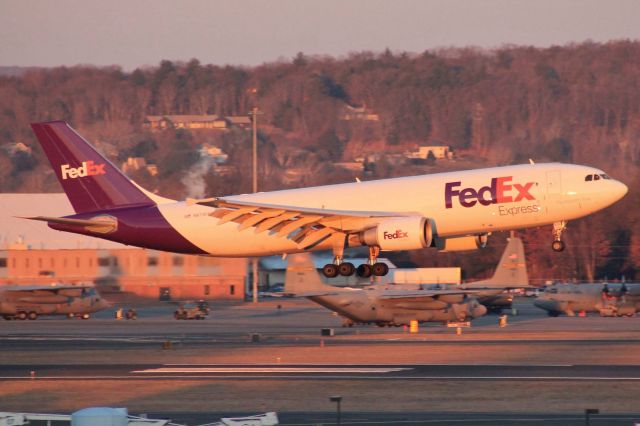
[
  {"x": 627, "y": 310},
  {"x": 405, "y": 233},
  {"x": 472, "y": 242}
]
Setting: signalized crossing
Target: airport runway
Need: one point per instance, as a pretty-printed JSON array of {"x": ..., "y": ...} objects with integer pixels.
[
  {"x": 421, "y": 418},
  {"x": 183, "y": 372},
  {"x": 536, "y": 370}
]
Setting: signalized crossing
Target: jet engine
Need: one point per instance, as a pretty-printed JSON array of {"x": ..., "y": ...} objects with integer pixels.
[
  {"x": 627, "y": 310},
  {"x": 468, "y": 310},
  {"x": 405, "y": 233},
  {"x": 471, "y": 242}
]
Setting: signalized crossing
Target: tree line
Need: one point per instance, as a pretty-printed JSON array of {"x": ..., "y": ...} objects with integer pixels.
[{"x": 574, "y": 103}]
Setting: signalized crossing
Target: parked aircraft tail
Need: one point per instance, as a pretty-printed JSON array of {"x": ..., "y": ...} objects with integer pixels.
[
  {"x": 511, "y": 271},
  {"x": 91, "y": 182},
  {"x": 302, "y": 278}
]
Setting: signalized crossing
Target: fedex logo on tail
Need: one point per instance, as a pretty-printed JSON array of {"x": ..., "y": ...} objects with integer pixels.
[
  {"x": 501, "y": 190},
  {"x": 88, "y": 168}
]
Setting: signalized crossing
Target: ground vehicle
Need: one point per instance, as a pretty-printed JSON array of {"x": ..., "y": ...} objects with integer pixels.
[
  {"x": 203, "y": 305},
  {"x": 189, "y": 311}
]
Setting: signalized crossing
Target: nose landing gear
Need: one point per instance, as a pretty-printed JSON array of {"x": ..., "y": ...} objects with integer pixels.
[{"x": 558, "y": 245}]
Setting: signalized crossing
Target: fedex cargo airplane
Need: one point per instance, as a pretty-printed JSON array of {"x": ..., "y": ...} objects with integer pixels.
[{"x": 451, "y": 211}]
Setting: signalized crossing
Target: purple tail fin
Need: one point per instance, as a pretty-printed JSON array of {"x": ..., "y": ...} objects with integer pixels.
[{"x": 90, "y": 181}]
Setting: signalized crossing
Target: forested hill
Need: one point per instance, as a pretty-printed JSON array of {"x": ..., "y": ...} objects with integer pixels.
[{"x": 576, "y": 103}]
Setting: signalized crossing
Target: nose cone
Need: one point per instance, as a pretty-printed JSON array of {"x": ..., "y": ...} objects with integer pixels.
[
  {"x": 620, "y": 190},
  {"x": 479, "y": 310},
  {"x": 547, "y": 305},
  {"x": 103, "y": 304}
]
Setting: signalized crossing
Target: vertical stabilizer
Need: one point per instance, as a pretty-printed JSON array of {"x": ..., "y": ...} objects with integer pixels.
[
  {"x": 302, "y": 277},
  {"x": 90, "y": 181},
  {"x": 512, "y": 269}
]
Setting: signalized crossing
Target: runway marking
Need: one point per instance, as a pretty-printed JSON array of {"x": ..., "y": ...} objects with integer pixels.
[
  {"x": 374, "y": 370},
  {"x": 472, "y": 420},
  {"x": 306, "y": 377}
]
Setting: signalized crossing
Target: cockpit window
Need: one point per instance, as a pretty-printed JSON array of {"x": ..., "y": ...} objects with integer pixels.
[
  {"x": 588, "y": 178},
  {"x": 605, "y": 176},
  {"x": 596, "y": 177}
]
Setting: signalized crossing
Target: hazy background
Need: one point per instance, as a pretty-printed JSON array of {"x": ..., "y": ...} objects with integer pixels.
[{"x": 134, "y": 33}]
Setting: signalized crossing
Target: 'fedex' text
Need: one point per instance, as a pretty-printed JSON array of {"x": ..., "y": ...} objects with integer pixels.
[
  {"x": 88, "y": 168},
  {"x": 398, "y": 234},
  {"x": 501, "y": 190}
]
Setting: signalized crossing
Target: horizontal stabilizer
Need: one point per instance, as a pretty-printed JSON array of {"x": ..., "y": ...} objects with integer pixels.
[{"x": 101, "y": 224}]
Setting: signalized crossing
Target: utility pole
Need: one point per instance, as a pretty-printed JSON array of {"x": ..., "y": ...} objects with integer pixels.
[
  {"x": 254, "y": 119},
  {"x": 254, "y": 116},
  {"x": 337, "y": 399}
]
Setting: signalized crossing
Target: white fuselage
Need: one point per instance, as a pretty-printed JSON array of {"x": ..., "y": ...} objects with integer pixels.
[{"x": 459, "y": 203}]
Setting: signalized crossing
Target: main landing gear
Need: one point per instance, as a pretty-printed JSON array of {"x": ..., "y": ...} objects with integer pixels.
[
  {"x": 558, "y": 244},
  {"x": 372, "y": 267}
]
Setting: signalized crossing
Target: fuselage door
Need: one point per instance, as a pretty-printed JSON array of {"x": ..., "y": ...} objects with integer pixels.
[
  {"x": 554, "y": 191},
  {"x": 554, "y": 183}
]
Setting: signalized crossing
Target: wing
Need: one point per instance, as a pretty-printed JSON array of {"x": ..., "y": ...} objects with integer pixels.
[
  {"x": 44, "y": 288},
  {"x": 39, "y": 294},
  {"x": 423, "y": 294},
  {"x": 307, "y": 227}
]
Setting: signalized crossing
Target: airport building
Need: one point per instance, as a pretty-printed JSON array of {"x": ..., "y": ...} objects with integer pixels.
[{"x": 33, "y": 254}]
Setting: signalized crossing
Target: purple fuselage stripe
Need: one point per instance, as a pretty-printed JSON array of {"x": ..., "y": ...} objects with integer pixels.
[{"x": 137, "y": 226}]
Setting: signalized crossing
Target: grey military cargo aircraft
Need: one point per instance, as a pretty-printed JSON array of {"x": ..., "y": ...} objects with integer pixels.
[
  {"x": 608, "y": 300},
  {"x": 493, "y": 293},
  {"x": 30, "y": 302},
  {"x": 396, "y": 305},
  {"x": 380, "y": 304}
]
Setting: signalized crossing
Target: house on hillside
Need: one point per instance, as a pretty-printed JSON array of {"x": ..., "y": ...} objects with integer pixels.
[
  {"x": 241, "y": 121},
  {"x": 156, "y": 122},
  {"x": 137, "y": 163},
  {"x": 192, "y": 122},
  {"x": 14, "y": 148},
  {"x": 352, "y": 166},
  {"x": 217, "y": 155},
  {"x": 197, "y": 121},
  {"x": 351, "y": 113},
  {"x": 439, "y": 152}
]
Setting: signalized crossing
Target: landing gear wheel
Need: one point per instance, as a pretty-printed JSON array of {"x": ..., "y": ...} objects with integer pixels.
[
  {"x": 558, "y": 228},
  {"x": 22, "y": 315},
  {"x": 32, "y": 315},
  {"x": 380, "y": 269},
  {"x": 7, "y": 317},
  {"x": 330, "y": 270},
  {"x": 346, "y": 269},
  {"x": 557, "y": 246},
  {"x": 365, "y": 270},
  {"x": 553, "y": 314}
]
